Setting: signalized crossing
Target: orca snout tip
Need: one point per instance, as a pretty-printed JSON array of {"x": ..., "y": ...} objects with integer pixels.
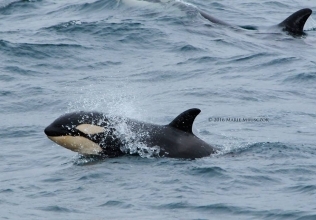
[
  {"x": 47, "y": 131},
  {"x": 52, "y": 131}
]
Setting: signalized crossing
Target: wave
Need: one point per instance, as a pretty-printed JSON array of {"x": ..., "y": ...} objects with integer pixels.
[
  {"x": 243, "y": 212},
  {"x": 37, "y": 51},
  {"x": 212, "y": 172},
  {"x": 308, "y": 77},
  {"x": 18, "y": 6},
  {"x": 302, "y": 188},
  {"x": 58, "y": 209},
  {"x": 95, "y": 7},
  {"x": 272, "y": 150}
]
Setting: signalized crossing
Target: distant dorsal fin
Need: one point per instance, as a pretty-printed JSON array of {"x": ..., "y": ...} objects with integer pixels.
[
  {"x": 185, "y": 120},
  {"x": 294, "y": 24}
]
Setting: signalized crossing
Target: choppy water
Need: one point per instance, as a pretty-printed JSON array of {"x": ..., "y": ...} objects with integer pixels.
[{"x": 151, "y": 62}]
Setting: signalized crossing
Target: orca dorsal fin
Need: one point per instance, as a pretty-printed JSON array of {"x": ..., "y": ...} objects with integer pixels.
[
  {"x": 184, "y": 121},
  {"x": 294, "y": 24}
]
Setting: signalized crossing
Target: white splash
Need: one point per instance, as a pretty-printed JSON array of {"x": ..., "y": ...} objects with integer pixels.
[{"x": 118, "y": 104}]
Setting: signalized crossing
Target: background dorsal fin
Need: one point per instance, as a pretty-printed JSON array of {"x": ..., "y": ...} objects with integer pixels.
[
  {"x": 185, "y": 120},
  {"x": 294, "y": 24}
]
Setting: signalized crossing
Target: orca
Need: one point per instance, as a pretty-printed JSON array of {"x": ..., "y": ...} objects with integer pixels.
[
  {"x": 94, "y": 133},
  {"x": 293, "y": 25}
]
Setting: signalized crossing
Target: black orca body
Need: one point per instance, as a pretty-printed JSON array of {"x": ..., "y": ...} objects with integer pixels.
[{"x": 93, "y": 133}]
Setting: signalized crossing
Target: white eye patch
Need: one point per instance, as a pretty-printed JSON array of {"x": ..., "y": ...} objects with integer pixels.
[{"x": 90, "y": 129}]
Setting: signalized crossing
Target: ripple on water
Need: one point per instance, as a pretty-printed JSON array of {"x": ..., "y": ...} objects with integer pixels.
[
  {"x": 248, "y": 58},
  {"x": 6, "y": 190},
  {"x": 213, "y": 172},
  {"x": 39, "y": 51},
  {"x": 272, "y": 149},
  {"x": 114, "y": 203},
  {"x": 238, "y": 211},
  {"x": 91, "y": 176},
  {"x": 53, "y": 180},
  {"x": 6, "y": 78},
  {"x": 302, "y": 188},
  {"x": 18, "y": 7},
  {"x": 199, "y": 60},
  {"x": 21, "y": 71},
  {"x": 58, "y": 209},
  {"x": 86, "y": 8},
  {"x": 309, "y": 77},
  {"x": 18, "y": 132}
]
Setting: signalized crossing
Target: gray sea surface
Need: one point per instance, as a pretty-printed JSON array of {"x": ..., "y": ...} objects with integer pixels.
[{"x": 151, "y": 61}]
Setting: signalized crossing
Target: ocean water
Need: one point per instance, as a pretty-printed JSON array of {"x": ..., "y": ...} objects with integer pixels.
[{"x": 152, "y": 61}]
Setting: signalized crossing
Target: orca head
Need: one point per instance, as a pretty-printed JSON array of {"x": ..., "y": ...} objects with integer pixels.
[
  {"x": 81, "y": 132},
  {"x": 294, "y": 24}
]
